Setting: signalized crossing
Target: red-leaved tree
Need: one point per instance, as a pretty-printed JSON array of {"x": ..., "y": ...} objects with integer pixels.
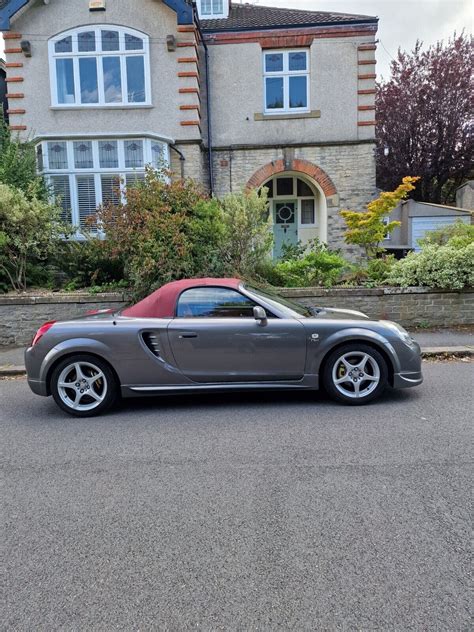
[{"x": 425, "y": 124}]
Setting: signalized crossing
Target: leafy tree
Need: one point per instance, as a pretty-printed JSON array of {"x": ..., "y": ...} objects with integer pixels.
[
  {"x": 18, "y": 165},
  {"x": 424, "y": 119},
  {"x": 247, "y": 237},
  {"x": 29, "y": 232},
  {"x": 367, "y": 229}
]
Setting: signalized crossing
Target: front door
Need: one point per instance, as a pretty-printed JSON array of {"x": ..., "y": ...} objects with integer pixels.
[
  {"x": 285, "y": 226},
  {"x": 215, "y": 338}
]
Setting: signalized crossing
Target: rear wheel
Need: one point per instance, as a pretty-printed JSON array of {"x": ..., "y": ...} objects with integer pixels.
[
  {"x": 355, "y": 374},
  {"x": 83, "y": 385}
]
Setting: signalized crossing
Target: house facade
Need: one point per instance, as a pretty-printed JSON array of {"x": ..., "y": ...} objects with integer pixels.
[{"x": 232, "y": 95}]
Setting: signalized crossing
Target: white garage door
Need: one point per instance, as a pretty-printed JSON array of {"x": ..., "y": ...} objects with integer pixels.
[{"x": 421, "y": 225}]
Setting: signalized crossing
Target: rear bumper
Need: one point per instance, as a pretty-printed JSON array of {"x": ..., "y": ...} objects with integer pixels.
[
  {"x": 38, "y": 387},
  {"x": 407, "y": 380}
]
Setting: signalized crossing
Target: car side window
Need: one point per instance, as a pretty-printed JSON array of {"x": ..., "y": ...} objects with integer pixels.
[{"x": 214, "y": 302}]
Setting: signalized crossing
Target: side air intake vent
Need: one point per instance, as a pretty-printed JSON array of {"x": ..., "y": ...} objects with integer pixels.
[{"x": 151, "y": 341}]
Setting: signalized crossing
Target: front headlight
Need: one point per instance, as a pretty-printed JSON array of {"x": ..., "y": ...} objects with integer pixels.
[{"x": 401, "y": 332}]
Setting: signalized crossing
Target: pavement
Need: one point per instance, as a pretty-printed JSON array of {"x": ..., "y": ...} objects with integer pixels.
[
  {"x": 281, "y": 511},
  {"x": 433, "y": 343}
]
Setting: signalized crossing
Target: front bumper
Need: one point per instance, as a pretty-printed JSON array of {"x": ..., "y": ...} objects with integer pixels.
[{"x": 407, "y": 380}]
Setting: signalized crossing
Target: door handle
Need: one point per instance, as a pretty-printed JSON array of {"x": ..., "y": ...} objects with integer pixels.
[{"x": 188, "y": 334}]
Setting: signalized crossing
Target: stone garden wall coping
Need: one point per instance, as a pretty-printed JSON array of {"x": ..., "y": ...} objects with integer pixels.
[{"x": 21, "y": 315}]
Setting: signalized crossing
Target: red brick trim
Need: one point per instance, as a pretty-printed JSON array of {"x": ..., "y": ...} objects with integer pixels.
[
  {"x": 189, "y": 90},
  {"x": 14, "y": 79},
  {"x": 14, "y": 64},
  {"x": 189, "y": 107},
  {"x": 15, "y": 95},
  {"x": 287, "y": 41},
  {"x": 185, "y": 123},
  {"x": 298, "y": 165},
  {"x": 10, "y": 51},
  {"x": 186, "y": 45},
  {"x": 187, "y": 60},
  {"x": 365, "y": 123},
  {"x": 367, "y": 47},
  {"x": 261, "y": 37},
  {"x": 17, "y": 111},
  {"x": 369, "y": 91},
  {"x": 364, "y": 108},
  {"x": 186, "y": 29},
  {"x": 17, "y": 128},
  {"x": 11, "y": 36},
  {"x": 189, "y": 74},
  {"x": 367, "y": 62},
  {"x": 368, "y": 76}
]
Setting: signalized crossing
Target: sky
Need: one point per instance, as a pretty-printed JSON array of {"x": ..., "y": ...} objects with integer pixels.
[{"x": 401, "y": 23}]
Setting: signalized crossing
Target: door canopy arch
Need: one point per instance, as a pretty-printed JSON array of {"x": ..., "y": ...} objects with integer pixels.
[{"x": 297, "y": 165}]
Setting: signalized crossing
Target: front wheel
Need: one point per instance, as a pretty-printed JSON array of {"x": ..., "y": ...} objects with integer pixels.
[
  {"x": 355, "y": 374},
  {"x": 84, "y": 386}
]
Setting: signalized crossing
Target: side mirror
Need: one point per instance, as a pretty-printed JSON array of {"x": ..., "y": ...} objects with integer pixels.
[{"x": 260, "y": 314}]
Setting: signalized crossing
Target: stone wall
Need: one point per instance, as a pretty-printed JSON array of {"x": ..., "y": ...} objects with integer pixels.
[
  {"x": 351, "y": 167},
  {"x": 410, "y": 307},
  {"x": 20, "y": 316}
]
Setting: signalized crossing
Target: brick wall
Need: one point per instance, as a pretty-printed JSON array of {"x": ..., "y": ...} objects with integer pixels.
[{"x": 21, "y": 316}]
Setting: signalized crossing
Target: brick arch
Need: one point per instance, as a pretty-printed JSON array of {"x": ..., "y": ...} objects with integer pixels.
[{"x": 298, "y": 165}]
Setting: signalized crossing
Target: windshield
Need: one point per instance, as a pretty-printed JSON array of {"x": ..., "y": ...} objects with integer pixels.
[{"x": 292, "y": 308}]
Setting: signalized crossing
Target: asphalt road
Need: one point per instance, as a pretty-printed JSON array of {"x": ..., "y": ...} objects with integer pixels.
[{"x": 252, "y": 512}]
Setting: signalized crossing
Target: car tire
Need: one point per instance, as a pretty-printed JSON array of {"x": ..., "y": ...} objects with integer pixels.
[
  {"x": 355, "y": 374},
  {"x": 93, "y": 386}
]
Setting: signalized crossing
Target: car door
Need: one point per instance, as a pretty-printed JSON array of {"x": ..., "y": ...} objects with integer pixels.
[{"x": 215, "y": 338}]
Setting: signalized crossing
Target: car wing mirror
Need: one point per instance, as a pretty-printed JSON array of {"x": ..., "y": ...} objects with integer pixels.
[{"x": 260, "y": 314}]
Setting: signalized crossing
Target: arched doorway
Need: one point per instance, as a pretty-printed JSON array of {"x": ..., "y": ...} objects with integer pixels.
[{"x": 297, "y": 209}]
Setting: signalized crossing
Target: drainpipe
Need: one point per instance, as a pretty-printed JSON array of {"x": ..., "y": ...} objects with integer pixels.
[
  {"x": 208, "y": 103},
  {"x": 182, "y": 159}
]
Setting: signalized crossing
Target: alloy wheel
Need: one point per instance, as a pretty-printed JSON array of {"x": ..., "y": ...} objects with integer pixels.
[
  {"x": 356, "y": 374},
  {"x": 82, "y": 386}
]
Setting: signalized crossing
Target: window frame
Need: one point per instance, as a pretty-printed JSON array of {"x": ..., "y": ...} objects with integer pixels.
[
  {"x": 213, "y": 14},
  {"x": 98, "y": 55},
  {"x": 286, "y": 74},
  {"x": 121, "y": 171},
  {"x": 294, "y": 197},
  {"x": 215, "y": 287}
]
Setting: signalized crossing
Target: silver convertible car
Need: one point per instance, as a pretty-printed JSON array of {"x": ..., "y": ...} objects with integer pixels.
[{"x": 214, "y": 335}]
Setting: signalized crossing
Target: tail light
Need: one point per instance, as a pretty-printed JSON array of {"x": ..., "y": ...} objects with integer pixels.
[{"x": 41, "y": 331}]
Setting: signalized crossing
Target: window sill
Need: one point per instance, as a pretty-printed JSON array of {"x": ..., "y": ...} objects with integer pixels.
[
  {"x": 286, "y": 116},
  {"x": 65, "y": 108}
]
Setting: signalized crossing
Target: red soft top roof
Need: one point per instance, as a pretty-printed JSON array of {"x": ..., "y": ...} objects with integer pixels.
[{"x": 162, "y": 303}]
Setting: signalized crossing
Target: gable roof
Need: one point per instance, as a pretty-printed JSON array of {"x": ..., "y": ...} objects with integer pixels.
[{"x": 245, "y": 17}]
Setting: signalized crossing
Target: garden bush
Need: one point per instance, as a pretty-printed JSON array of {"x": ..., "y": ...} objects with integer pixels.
[
  {"x": 247, "y": 240},
  {"x": 448, "y": 267},
  {"x": 30, "y": 230},
  {"x": 163, "y": 231},
  {"x": 307, "y": 266}
]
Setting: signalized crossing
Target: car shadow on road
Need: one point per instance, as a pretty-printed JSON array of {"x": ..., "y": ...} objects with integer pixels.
[{"x": 261, "y": 399}]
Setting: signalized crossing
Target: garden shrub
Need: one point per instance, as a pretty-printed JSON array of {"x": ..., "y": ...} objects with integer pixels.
[
  {"x": 448, "y": 267},
  {"x": 30, "y": 230},
  {"x": 315, "y": 265},
  {"x": 247, "y": 239},
  {"x": 165, "y": 231}
]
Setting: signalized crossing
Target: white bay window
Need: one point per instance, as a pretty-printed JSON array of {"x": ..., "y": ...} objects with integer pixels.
[
  {"x": 84, "y": 173},
  {"x": 100, "y": 66}
]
